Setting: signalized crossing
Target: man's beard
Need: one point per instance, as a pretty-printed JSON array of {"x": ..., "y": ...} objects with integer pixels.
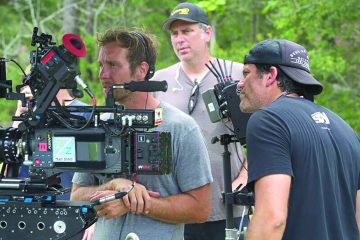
[{"x": 121, "y": 95}]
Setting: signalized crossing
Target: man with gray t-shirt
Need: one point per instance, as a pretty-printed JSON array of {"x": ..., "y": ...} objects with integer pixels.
[
  {"x": 190, "y": 35},
  {"x": 158, "y": 205}
]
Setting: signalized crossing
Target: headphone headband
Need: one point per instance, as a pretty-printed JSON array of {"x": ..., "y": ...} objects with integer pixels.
[{"x": 144, "y": 42}]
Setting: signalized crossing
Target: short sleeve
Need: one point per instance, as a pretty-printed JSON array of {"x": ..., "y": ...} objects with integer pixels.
[
  {"x": 84, "y": 179},
  {"x": 193, "y": 164},
  {"x": 268, "y": 146}
]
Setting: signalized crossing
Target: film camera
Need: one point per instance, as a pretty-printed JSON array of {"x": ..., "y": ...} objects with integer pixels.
[
  {"x": 223, "y": 102},
  {"x": 55, "y": 139}
]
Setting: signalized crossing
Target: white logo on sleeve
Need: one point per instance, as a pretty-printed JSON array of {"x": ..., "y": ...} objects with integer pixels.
[{"x": 320, "y": 117}]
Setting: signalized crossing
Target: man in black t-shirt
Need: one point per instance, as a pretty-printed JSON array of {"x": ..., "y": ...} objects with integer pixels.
[{"x": 304, "y": 160}]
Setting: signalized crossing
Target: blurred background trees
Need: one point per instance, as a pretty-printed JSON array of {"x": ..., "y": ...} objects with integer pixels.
[{"x": 328, "y": 29}]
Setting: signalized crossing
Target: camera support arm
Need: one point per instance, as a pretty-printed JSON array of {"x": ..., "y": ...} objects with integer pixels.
[
  {"x": 46, "y": 97},
  {"x": 225, "y": 140},
  {"x": 43, "y": 102}
]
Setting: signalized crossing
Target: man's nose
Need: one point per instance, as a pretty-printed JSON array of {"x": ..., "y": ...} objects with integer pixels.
[
  {"x": 178, "y": 38},
  {"x": 103, "y": 73},
  {"x": 240, "y": 85}
]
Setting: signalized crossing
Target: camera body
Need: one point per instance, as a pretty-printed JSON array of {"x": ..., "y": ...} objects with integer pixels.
[
  {"x": 51, "y": 140},
  {"x": 97, "y": 150},
  {"x": 223, "y": 102}
]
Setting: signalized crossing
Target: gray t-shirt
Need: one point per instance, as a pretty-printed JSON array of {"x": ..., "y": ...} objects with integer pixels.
[
  {"x": 191, "y": 169},
  {"x": 178, "y": 94}
]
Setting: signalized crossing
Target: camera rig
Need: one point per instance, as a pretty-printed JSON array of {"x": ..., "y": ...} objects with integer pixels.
[
  {"x": 223, "y": 102},
  {"x": 51, "y": 140}
]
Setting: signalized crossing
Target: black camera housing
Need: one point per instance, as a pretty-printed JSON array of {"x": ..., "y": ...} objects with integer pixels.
[
  {"x": 51, "y": 140},
  {"x": 223, "y": 102},
  {"x": 55, "y": 139}
]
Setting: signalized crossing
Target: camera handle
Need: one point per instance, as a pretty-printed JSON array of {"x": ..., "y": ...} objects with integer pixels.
[{"x": 230, "y": 230}]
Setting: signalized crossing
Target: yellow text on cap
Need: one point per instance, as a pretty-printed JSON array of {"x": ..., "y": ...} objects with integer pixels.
[{"x": 183, "y": 11}]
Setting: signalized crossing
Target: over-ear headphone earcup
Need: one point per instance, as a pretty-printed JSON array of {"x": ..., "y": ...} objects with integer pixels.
[{"x": 151, "y": 71}]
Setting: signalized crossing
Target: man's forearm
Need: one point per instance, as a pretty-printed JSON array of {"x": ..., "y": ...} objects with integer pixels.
[
  {"x": 261, "y": 229},
  {"x": 271, "y": 203},
  {"x": 183, "y": 208},
  {"x": 83, "y": 193}
]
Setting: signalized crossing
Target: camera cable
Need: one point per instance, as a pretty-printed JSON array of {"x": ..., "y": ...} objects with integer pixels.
[
  {"x": 112, "y": 197},
  {"x": 93, "y": 101}
]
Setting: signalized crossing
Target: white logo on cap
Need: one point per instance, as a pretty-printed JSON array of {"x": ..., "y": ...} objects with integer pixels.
[{"x": 301, "y": 60}]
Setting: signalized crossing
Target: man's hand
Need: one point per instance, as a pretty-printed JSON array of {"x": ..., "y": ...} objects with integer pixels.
[
  {"x": 28, "y": 96},
  {"x": 20, "y": 109},
  {"x": 89, "y": 233},
  {"x": 241, "y": 180},
  {"x": 138, "y": 199},
  {"x": 109, "y": 210}
]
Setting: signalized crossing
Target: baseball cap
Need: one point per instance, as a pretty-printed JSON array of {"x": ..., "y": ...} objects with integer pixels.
[
  {"x": 188, "y": 12},
  {"x": 291, "y": 58}
]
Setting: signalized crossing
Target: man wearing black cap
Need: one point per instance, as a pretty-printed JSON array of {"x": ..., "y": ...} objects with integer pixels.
[
  {"x": 304, "y": 160},
  {"x": 190, "y": 35}
]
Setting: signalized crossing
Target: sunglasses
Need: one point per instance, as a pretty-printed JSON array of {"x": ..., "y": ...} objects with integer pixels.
[{"x": 193, "y": 97}]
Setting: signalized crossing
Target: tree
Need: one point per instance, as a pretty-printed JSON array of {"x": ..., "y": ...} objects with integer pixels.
[{"x": 328, "y": 29}]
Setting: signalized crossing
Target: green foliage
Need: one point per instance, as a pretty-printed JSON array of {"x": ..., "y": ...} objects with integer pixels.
[
  {"x": 341, "y": 101},
  {"x": 328, "y": 29}
]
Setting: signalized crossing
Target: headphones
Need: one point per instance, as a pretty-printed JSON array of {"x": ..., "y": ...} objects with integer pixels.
[{"x": 143, "y": 41}]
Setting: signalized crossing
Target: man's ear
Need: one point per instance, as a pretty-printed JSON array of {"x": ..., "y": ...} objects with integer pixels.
[
  {"x": 272, "y": 76},
  {"x": 141, "y": 70},
  {"x": 207, "y": 34}
]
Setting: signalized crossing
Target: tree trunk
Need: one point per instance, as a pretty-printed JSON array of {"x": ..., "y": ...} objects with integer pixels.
[
  {"x": 89, "y": 28},
  {"x": 70, "y": 23}
]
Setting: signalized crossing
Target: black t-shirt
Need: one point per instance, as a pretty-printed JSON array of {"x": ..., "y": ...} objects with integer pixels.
[{"x": 321, "y": 152}]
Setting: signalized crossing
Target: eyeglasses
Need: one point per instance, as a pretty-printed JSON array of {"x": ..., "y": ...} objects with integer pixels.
[{"x": 193, "y": 97}]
